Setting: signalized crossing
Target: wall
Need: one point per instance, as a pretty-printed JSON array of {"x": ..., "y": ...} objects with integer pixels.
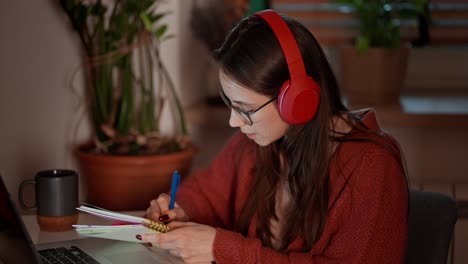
[{"x": 37, "y": 106}]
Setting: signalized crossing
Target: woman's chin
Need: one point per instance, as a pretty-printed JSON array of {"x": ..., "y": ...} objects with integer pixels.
[{"x": 262, "y": 143}]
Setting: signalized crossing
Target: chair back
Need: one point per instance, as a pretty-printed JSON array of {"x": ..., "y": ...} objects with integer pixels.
[{"x": 432, "y": 218}]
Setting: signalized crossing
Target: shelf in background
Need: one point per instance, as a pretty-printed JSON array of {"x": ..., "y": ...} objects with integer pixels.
[
  {"x": 426, "y": 111},
  {"x": 444, "y": 105}
]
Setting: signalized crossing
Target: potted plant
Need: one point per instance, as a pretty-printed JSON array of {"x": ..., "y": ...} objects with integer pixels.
[
  {"x": 128, "y": 89},
  {"x": 374, "y": 70}
]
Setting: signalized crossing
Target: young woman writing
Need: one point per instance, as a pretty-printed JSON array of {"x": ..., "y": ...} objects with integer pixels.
[{"x": 305, "y": 180}]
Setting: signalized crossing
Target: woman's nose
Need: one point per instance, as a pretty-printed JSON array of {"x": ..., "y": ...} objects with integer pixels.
[{"x": 235, "y": 120}]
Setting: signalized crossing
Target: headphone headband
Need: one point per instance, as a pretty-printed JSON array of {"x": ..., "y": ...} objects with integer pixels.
[{"x": 287, "y": 42}]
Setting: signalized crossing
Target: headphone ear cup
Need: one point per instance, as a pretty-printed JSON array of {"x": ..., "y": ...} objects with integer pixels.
[{"x": 298, "y": 105}]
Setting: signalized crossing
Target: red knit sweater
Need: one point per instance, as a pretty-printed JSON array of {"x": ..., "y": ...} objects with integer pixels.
[{"x": 367, "y": 221}]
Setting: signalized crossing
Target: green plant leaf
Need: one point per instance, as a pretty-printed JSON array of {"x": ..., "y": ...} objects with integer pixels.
[
  {"x": 377, "y": 20},
  {"x": 146, "y": 21},
  {"x": 160, "y": 31},
  {"x": 124, "y": 68}
]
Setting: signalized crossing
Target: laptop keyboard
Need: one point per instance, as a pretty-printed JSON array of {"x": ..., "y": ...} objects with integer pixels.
[{"x": 71, "y": 255}]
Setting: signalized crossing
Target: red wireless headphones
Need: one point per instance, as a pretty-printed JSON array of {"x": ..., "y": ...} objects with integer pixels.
[{"x": 299, "y": 97}]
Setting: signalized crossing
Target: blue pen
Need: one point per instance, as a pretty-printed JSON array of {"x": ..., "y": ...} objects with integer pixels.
[{"x": 174, "y": 186}]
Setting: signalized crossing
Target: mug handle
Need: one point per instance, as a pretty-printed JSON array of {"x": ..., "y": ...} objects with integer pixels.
[{"x": 20, "y": 195}]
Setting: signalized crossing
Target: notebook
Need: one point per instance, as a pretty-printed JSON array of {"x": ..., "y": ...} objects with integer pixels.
[
  {"x": 126, "y": 228},
  {"x": 16, "y": 245}
]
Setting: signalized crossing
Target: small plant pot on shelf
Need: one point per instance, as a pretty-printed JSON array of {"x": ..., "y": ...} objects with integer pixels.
[
  {"x": 121, "y": 183},
  {"x": 373, "y": 78}
]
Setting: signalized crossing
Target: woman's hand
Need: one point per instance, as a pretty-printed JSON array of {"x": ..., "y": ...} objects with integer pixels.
[
  {"x": 190, "y": 241},
  {"x": 159, "y": 210}
]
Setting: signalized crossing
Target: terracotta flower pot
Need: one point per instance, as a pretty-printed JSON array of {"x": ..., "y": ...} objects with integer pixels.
[
  {"x": 374, "y": 78},
  {"x": 129, "y": 182}
]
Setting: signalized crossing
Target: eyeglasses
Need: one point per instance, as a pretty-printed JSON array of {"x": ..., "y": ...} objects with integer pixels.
[{"x": 243, "y": 115}]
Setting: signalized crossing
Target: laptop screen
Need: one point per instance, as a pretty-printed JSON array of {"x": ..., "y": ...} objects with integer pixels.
[{"x": 15, "y": 243}]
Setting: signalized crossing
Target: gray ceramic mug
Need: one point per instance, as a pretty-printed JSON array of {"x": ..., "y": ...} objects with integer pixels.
[{"x": 56, "y": 193}]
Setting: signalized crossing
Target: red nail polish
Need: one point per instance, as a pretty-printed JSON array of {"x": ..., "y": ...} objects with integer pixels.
[
  {"x": 164, "y": 218},
  {"x": 138, "y": 237},
  {"x": 150, "y": 245}
]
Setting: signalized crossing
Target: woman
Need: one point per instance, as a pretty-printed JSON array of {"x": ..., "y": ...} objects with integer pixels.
[{"x": 329, "y": 190}]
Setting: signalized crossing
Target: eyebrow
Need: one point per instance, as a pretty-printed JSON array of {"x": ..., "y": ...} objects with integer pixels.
[
  {"x": 235, "y": 101},
  {"x": 241, "y": 103}
]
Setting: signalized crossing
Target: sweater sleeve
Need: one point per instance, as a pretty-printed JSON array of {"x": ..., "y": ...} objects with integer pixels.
[
  {"x": 207, "y": 196},
  {"x": 367, "y": 224}
]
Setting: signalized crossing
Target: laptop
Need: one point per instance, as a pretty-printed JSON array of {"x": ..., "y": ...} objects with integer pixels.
[{"x": 16, "y": 245}]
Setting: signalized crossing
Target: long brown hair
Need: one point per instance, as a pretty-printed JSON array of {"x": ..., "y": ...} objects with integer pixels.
[{"x": 251, "y": 55}]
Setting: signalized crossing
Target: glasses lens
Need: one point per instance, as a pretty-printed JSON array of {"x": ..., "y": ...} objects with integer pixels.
[
  {"x": 225, "y": 99},
  {"x": 243, "y": 116}
]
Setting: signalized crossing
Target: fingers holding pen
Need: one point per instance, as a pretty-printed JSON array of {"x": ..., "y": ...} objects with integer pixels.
[
  {"x": 166, "y": 214},
  {"x": 159, "y": 210},
  {"x": 158, "y": 207},
  {"x": 153, "y": 212},
  {"x": 163, "y": 201},
  {"x": 175, "y": 214},
  {"x": 164, "y": 208}
]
